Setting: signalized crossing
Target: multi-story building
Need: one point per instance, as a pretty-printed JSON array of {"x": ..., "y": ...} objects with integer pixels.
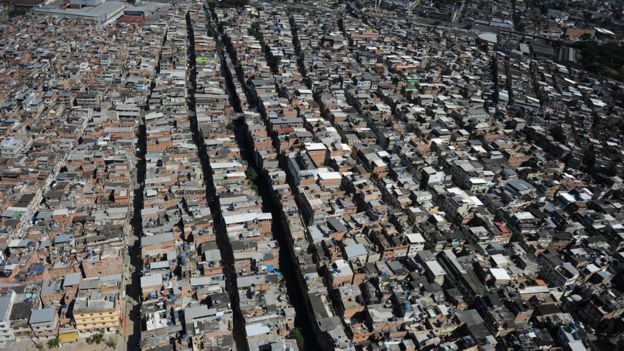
[
  {"x": 97, "y": 312},
  {"x": 44, "y": 322},
  {"x": 6, "y": 305}
]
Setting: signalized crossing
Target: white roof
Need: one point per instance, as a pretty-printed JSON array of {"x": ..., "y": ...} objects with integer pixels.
[
  {"x": 235, "y": 174},
  {"x": 500, "y": 274},
  {"x": 151, "y": 280},
  {"x": 592, "y": 268},
  {"x": 500, "y": 260},
  {"x": 205, "y": 280},
  {"x": 604, "y": 31},
  {"x": 154, "y": 115},
  {"x": 475, "y": 180},
  {"x": 489, "y": 37},
  {"x": 576, "y": 345},
  {"x": 329, "y": 175},
  {"x": 149, "y": 211},
  {"x": 435, "y": 268},
  {"x": 60, "y": 212},
  {"x": 256, "y": 329},
  {"x": 159, "y": 264},
  {"x": 156, "y": 239},
  {"x": 355, "y": 250},
  {"x": 524, "y": 215},
  {"x": 225, "y": 165},
  {"x": 415, "y": 238},
  {"x": 315, "y": 146},
  {"x": 246, "y": 217}
]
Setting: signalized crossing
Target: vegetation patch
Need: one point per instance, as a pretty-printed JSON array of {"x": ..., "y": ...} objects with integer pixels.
[{"x": 605, "y": 59}]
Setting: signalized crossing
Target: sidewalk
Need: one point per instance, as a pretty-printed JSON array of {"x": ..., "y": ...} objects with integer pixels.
[{"x": 81, "y": 345}]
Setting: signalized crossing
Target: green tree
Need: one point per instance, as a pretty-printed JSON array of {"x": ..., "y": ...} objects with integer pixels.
[
  {"x": 211, "y": 30},
  {"x": 251, "y": 173},
  {"x": 112, "y": 342},
  {"x": 98, "y": 338},
  {"x": 52, "y": 343},
  {"x": 605, "y": 59},
  {"x": 609, "y": 327},
  {"x": 298, "y": 336},
  {"x": 589, "y": 158},
  {"x": 254, "y": 187},
  {"x": 274, "y": 60}
]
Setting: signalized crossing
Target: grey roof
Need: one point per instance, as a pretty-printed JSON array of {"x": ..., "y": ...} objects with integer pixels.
[
  {"x": 159, "y": 264},
  {"x": 470, "y": 317},
  {"x": 63, "y": 238},
  {"x": 355, "y": 250},
  {"x": 155, "y": 239},
  {"x": 99, "y": 12},
  {"x": 197, "y": 311},
  {"x": 151, "y": 280},
  {"x": 337, "y": 225},
  {"x": 147, "y": 7},
  {"x": 72, "y": 279},
  {"x": 520, "y": 185},
  {"x": 212, "y": 255},
  {"x": 5, "y": 306},
  {"x": 50, "y": 287},
  {"x": 44, "y": 315}
]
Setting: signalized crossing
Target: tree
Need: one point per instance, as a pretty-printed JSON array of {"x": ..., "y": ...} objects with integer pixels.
[
  {"x": 589, "y": 158},
  {"x": 98, "y": 338},
  {"x": 609, "y": 327},
  {"x": 52, "y": 343},
  {"x": 235, "y": 3},
  {"x": 112, "y": 342},
  {"x": 274, "y": 61},
  {"x": 298, "y": 336},
  {"x": 606, "y": 59},
  {"x": 211, "y": 30},
  {"x": 15, "y": 12},
  {"x": 251, "y": 174},
  {"x": 255, "y": 188}
]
